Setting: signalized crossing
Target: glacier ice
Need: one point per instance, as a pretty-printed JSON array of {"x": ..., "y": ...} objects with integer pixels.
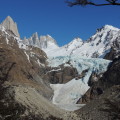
[{"x": 66, "y": 95}]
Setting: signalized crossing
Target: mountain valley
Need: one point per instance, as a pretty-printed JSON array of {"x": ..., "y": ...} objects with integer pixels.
[{"x": 41, "y": 81}]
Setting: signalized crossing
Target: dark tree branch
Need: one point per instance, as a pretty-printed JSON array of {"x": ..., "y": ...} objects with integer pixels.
[{"x": 87, "y": 2}]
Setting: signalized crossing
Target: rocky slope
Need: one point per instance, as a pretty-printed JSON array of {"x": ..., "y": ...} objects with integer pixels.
[{"x": 104, "y": 107}]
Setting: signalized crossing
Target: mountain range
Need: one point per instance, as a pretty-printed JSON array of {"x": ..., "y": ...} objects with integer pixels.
[
  {"x": 41, "y": 81},
  {"x": 96, "y": 46}
]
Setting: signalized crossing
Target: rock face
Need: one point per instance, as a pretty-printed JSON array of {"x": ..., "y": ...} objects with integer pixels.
[
  {"x": 99, "y": 83},
  {"x": 115, "y": 49},
  {"x": 9, "y": 24},
  {"x": 44, "y": 42},
  {"x": 111, "y": 76},
  {"x": 60, "y": 75}
]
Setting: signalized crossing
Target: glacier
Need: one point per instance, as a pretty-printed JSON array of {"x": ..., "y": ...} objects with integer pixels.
[{"x": 66, "y": 95}]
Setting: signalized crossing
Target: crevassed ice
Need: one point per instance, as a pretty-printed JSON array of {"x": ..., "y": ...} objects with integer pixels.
[{"x": 66, "y": 95}]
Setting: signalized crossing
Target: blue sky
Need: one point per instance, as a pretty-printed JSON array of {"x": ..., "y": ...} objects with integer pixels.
[{"x": 55, "y": 18}]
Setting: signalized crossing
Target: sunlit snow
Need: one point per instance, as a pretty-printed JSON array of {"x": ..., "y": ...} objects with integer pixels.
[{"x": 96, "y": 47}]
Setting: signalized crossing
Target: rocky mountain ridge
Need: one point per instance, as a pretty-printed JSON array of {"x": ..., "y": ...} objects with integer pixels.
[
  {"x": 42, "y": 42},
  {"x": 96, "y": 47}
]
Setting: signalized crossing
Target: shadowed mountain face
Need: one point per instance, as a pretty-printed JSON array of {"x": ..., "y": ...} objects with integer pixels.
[
  {"x": 115, "y": 50},
  {"x": 105, "y": 107}
]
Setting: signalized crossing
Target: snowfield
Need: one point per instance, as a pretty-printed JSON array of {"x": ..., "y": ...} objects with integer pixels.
[
  {"x": 66, "y": 95},
  {"x": 95, "y": 47}
]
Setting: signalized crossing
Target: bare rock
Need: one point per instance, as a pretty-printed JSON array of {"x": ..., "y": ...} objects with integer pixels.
[{"x": 9, "y": 24}]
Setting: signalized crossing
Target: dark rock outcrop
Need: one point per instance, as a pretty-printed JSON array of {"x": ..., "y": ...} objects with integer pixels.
[
  {"x": 100, "y": 109},
  {"x": 60, "y": 74},
  {"x": 113, "y": 54},
  {"x": 115, "y": 50}
]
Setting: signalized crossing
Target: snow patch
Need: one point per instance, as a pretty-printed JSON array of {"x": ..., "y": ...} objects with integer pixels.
[
  {"x": 39, "y": 63},
  {"x": 7, "y": 41},
  {"x": 27, "y": 56},
  {"x": 54, "y": 70}
]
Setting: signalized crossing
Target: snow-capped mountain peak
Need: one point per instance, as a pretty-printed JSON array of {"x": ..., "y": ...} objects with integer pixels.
[
  {"x": 77, "y": 39},
  {"x": 96, "y": 46},
  {"x": 44, "y": 42},
  {"x": 111, "y": 27},
  {"x": 76, "y": 42},
  {"x": 107, "y": 28}
]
